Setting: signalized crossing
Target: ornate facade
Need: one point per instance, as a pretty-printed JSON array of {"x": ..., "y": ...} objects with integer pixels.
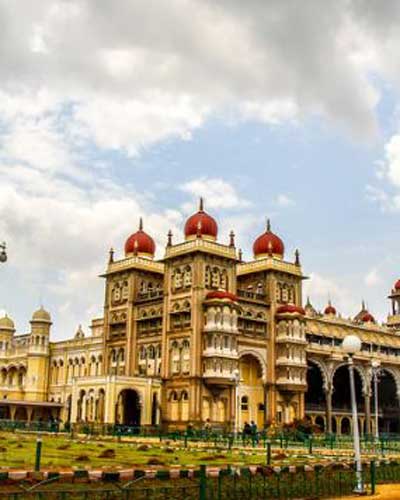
[{"x": 201, "y": 335}]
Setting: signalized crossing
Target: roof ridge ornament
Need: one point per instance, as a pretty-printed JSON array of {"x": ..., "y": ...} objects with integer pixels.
[
  {"x": 201, "y": 204},
  {"x": 141, "y": 224}
]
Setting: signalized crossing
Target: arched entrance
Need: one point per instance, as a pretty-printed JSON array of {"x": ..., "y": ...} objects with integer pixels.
[
  {"x": 154, "y": 409},
  {"x": 315, "y": 396},
  {"x": 388, "y": 403},
  {"x": 21, "y": 414},
  {"x": 341, "y": 399},
  {"x": 129, "y": 407},
  {"x": 251, "y": 391},
  {"x": 320, "y": 422},
  {"x": 345, "y": 426}
]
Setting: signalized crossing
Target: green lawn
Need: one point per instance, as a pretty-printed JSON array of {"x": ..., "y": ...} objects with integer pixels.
[{"x": 58, "y": 451}]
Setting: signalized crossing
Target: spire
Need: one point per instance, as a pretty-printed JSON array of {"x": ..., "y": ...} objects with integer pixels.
[
  {"x": 297, "y": 257},
  {"x": 308, "y": 303},
  {"x": 231, "y": 239},
  {"x": 240, "y": 255},
  {"x": 169, "y": 242},
  {"x": 268, "y": 226},
  {"x": 111, "y": 256},
  {"x": 363, "y": 305},
  {"x": 201, "y": 204},
  {"x": 140, "y": 224}
]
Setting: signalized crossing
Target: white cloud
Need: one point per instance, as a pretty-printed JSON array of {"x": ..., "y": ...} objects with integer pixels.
[
  {"x": 216, "y": 192},
  {"x": 392, "y": 157},
  {"x": 284, "y": 200},
  {"x": 321, "y": 289},
  {"x": 372, "y": 278},
  {"x": 145, "y": 72},
  {"x": 388, "y": 171}
]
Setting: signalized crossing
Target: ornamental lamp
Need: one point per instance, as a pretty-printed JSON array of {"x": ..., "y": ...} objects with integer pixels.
[{"x": 351, "y": 344}]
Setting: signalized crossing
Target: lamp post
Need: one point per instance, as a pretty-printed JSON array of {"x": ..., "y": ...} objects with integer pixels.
[
  {"x": 375, "y": 372},
  {"x": 236, "y": 379},
  {"x": 3, "y": 253},
  {"x": 351, "y": 345}
]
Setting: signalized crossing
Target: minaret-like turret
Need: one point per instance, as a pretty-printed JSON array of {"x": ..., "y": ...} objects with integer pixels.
[{"x": 7, "y": 330}]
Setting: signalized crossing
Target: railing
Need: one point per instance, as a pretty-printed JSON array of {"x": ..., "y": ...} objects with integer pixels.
[
  {"x": 228, "y": 484},
  {"x": 250, "y": 295},
  {"x": 156, "y": 294}
]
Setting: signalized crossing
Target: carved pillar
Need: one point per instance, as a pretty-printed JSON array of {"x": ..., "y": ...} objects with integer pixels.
[
  {"x": 328, "y": 409},
  {"x": 367, "y": 402},
  {"x": 29, "y": 411},
  {"x": 13, "y": 410}
]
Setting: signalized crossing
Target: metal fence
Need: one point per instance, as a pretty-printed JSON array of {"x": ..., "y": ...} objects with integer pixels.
[{"x": 227, "y": 485}]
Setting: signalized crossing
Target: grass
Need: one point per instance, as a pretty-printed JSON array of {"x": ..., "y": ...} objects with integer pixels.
[{"x": 59, "y": 452}]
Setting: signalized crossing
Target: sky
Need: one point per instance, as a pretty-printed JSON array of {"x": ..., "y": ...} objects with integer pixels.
[{"x": 114, "y": 110}]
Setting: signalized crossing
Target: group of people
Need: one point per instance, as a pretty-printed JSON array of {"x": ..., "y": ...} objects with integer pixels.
[{"x": 250, "y": 430}]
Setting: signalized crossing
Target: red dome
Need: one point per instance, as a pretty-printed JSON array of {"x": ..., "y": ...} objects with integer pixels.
[
  {"x": 140, "y": 243},
  {"x": 368, "y": 318},
  {"x": 290, "y": 308},
  {"x": 329, "y": 309},
  {"x": 397, "y": 285},
  {"x": 221, "y": 294},
  {"x": 201, "y": 223},
  {"x": 268, "y": 243}
]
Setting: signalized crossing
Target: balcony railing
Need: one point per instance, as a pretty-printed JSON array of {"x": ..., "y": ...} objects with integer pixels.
[
  {"x": 153, "y": 294},
  {"x": 247, "y": 294}
]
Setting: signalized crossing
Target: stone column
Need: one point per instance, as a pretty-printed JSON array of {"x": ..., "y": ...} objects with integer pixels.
[
  {"x": 328, "y": 404},
  {"x": 29, "y": 411},
  {"x": 13, "y": 410},
  {"x": 367, "y": 402}
]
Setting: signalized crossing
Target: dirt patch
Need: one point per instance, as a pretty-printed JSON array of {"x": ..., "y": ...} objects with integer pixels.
[
  {"x": 108, "y": 453},
  {"x": 63, "y": 447},
  {"x": 3, "y": 449},
  {"x": 82, "y": 458},
  {"x": 143, "y": 447},
  {"x": 155, "y": 461}
]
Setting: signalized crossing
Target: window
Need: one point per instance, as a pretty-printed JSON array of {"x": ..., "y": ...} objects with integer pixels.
[{"x": 244, "y": 403}]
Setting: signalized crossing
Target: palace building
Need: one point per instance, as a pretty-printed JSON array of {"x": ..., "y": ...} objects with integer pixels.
[{"x": 201, "y": 335}]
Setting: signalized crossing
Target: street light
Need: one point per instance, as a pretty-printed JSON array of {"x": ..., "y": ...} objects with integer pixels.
[
  {"x": 375, "y": 372},
  {"x": 351, "y": 345},
  {"x": 3, "y": 253},
  {"x": 236, "y": 379}
]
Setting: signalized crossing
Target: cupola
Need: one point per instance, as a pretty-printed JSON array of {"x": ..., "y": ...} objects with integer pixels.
[
  {"x": 268, "y": 244},
  {"x": 330, "y": 310},
  {"x": 368, "y": 318},
  {"x": 140, "y": 243},
  {"x": 41, "y": 316},
  {"x": 221, "y": 295},
  {"x": 201, "y": 225},
  {"x": 7, "y": 324},
  {"x": 290, "y": 309}
]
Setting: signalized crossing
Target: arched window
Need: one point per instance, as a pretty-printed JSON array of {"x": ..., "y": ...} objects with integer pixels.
[
  {"x": 185, "y": 356},
  {"x": 150, "y": 352}
]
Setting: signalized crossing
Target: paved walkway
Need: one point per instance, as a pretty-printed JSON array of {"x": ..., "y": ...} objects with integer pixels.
[{"x": 384, "y": 492}]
